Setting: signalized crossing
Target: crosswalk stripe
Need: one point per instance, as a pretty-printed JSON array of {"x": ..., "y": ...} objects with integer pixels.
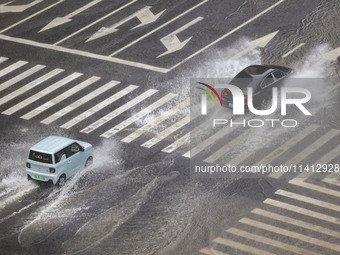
[
  {"x": 42, "y": 93},
  {"x": 308, "y": 200},
  {"x": 324, "y": 160},
  {"x": 228, "y": 147},
  {"x": 164, "y": 116},
  {"x": 301, "y": 182},
  {"x": 178, "y": 143},
  {"x": 287, "y": 145},
  {"x": 99, "y": 106},
  {"x": 30, "y": 85},
  {"x": 60, "y": 98},
  {"x": 272, "y": 242},
  {"x": 241, "y": 246},
  {"x": 79, "y": 102},
  {"x": 12, "y": 67},
  {"x": 308, "y": 150},
  {"x": 303, "y": 211},
  {"x": 3, "y": 59},
  {"x": 290, "y": 234},
  {"x": 295, "y": 222},
  {"x": 138, "y": 115},
  {"x": 210, "y": 251},
  {"x": 210, "y": 140},
  {"x": 118, "y": 111},
  {"x": 21, "y": 76},
  {"x": 166, "y": 132}
]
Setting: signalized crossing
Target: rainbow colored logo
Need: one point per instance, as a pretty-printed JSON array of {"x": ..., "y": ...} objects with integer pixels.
[{"x": 209, "y": 93}]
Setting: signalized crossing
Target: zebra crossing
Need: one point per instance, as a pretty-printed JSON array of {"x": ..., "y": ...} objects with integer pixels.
[
  {"x": 300, "y": 217},
  {"x": 170, "y": 126}
]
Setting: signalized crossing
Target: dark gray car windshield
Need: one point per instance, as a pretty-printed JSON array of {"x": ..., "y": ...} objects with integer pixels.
[{"x": 40, "y": 157}]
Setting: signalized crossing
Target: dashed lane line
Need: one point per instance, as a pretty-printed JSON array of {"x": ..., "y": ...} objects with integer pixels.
[
  {"x": 138, "y": 115},
  {"x": 60, "y": 98}
]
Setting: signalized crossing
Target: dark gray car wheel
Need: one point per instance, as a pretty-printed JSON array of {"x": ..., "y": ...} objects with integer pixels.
[
  {"x": 89, "y": 161},
  {"x": 62, "y": 180}
]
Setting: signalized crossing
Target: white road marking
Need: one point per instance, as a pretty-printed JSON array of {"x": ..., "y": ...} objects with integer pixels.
[
  {"x": 60, "y": 98},
  {"x": 324, "y": 160},
  {"x": 95, "y": 22},
  {"x": 144, "y": 15},
  {"x": 62, "y": 20},
  {"x": 138, "y": 115},
  {"x": 308, "y": 150},
  {"x": 171, "y": 41},
  {"x": 270, "y": 242},
  {"x": 164, "y": 116},
  {"x": 21, "y": 76},
  {"x": 178, "y": 143},
  {"x": 80, "y": 102},
  {"x": 330, "y": 56},
  {"x": 211, "y": 251},
  {"x": 158, "y": 28},
  {"x": 242, "y": 247},
  {"x": 227, "y": 34},
  {"x": 228, "y": 147},
  {"x": 301, "y": 182},
  {"x": 99, "y": 106},
  {"x": 291, "y": 234},
  {"x": 287, "y": 145},
  {"x": 303, "y": 211},
  {"x": 17, "y": 8},
  {"x": 41, "y": 93},
  {"x": 294, "y": 49},
  {"x": 12, "y": 67},
  {"x": 29, "y": 17},
  {"x": 258, "y": 43},
  {"x": 118, "y": 111},
  {"x": 209, "y": 141},
  {"x": 168, "y": 131},
  {"x": 308, "y": 200},
  {"x": 30, "y": 85},
  {"x": 295, "y": 222},
  {"x": 83, "y": 53},
  {"x": 3, "y": 59}
]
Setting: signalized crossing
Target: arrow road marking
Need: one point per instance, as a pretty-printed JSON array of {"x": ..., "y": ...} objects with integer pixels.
[
  {"x": 62, "y": 20},
  {"x": 17, "y": 8},
  {"x": 258, "y": 43},
  {"x": 144, "y": 15},
  {"x": 171, "y": 41},
  {"x": 226, "y": 35}
]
